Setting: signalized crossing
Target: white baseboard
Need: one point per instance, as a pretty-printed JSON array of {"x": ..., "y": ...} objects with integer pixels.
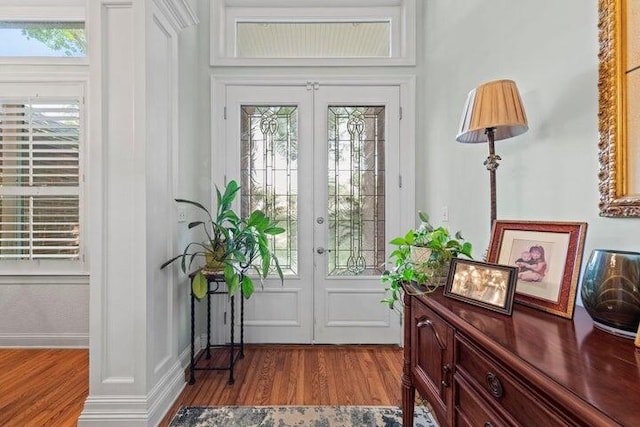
[
  {"x": 135, "y": 411},
  {"x": 45, "y": 340}
]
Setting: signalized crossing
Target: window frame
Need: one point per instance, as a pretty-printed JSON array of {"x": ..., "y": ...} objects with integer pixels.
[
  {"x": 76, "y": 83},
  {"x": 400, "y": 13}
]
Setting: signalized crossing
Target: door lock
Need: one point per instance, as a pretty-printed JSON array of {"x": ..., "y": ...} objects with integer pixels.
[{"x": 320, "y": 220}]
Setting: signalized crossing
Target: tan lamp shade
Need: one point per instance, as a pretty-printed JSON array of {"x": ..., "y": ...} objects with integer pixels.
[{"x": 497, "y": 105}]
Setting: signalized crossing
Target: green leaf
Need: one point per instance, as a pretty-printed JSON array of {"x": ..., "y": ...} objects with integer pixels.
[
  {"x": 199, "y": 285},
  {"x": 229, "y": 194},
  {"x": 272, "y": 231},
  {"x": 247, "y": 287},
  {"x": 466, "y": 249},
  {"x": 255, "y": 218},
  {"x": 196, "y": 204},
  {"x": 166, "y": 263},
  {"x": 398, "y": 241},
  {"x": 195, "y": 224},
  {"x": 231, "y": 279},
  {"x": 410, "y": 237},
  {"x": 266, "y": 262}
]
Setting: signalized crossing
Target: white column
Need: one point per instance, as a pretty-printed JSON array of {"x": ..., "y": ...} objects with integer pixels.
[{"x": 135, "y": 371}]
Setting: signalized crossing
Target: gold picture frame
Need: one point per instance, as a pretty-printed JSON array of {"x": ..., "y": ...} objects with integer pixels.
[{"x": 619, "y": 173}]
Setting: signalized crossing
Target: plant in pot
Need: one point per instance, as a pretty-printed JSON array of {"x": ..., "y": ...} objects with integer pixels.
[
  {"x": 232, "y": 246},
  {"x": 422, "y": 256}
]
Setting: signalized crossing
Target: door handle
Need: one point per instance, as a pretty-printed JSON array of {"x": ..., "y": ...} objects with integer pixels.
[{"x": 322, "y": 250}]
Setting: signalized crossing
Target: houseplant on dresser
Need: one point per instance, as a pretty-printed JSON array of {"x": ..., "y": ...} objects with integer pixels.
[
  {"x": 231, "y": 245},
  {"x": 422, "y": 256}
]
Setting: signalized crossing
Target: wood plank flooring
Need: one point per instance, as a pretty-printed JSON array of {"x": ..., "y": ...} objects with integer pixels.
[
  {"x": 42, "y": 387},
  {"x": 49, "y": 387},
  {"x": 301, "y": 375}
]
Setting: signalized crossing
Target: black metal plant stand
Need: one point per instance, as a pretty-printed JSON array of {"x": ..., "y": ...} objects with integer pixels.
[{"x": 218, "y": 280}]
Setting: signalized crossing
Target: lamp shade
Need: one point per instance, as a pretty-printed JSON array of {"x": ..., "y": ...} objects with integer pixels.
[{"x": 497, "y": 105}]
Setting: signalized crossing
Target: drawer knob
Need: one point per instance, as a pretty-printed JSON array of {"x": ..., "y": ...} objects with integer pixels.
[{"x": 494, "y": 385}]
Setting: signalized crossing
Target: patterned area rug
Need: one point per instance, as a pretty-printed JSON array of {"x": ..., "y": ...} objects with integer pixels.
[{"x": 285, "y": 416}]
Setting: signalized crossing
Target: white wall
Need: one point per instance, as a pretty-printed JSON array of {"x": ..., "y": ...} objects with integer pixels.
[
  {"x": 41, "y": 312},
  {"x": 194, "y": 153},
  {"x": 549, "y": 173}
]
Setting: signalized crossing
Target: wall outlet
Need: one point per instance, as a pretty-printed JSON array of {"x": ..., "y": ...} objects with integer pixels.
[{"x": 182, "y": 214}]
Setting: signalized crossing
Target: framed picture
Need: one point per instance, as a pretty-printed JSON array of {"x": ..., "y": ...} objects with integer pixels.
[
  {"x": 548, "y": 257},
  {"x": 480, "y": 283},
  {"x": 638, "y": 337}
]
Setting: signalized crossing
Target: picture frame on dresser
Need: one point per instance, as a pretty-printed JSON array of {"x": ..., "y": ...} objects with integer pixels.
[
  {"x": 548, "y": 256},
  {"x": 484, "y": 284}
]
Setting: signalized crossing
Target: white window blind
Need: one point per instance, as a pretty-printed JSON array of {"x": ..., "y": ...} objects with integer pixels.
[{"x": 40, "y": 139}]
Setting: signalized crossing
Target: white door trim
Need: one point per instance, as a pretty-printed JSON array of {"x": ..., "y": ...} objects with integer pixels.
[{"x": 406, "y": 158}]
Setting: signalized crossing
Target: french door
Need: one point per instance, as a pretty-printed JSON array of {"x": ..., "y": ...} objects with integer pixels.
[{"x": 323, "y": 160}]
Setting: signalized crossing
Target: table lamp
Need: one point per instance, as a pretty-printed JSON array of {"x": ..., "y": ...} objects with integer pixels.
[{"x": 493, "y": 111}]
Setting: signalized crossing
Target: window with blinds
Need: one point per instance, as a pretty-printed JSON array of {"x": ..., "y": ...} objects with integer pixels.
[{"x": 40, "y": 139}]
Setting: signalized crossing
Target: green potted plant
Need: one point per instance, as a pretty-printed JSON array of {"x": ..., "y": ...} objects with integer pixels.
[
  {"x": 232, "y": 246},
  {"x": 422, "y": 256}
]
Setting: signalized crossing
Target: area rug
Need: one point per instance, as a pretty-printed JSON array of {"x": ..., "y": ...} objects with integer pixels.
[{"x": 285, "y": 416}]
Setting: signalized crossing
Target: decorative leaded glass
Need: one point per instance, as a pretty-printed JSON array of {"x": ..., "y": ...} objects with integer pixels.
[
  {"x": 356, "y": 190},
  {"x": 269, "y": 173}
]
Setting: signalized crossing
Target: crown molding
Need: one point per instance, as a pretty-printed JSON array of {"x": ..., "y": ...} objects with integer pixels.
[{"x": 178, "y": 12}]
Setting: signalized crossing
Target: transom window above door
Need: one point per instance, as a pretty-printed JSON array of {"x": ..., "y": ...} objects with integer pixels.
[{"x": 318, "y": 33}]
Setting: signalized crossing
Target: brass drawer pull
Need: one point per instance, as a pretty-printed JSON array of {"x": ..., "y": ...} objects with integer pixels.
[
  {"x": 494, "y": 385},
  {"x": 446, "y": 370}
]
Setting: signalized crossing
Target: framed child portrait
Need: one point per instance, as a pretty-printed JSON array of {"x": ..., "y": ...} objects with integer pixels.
[
  {"x": 480, "y": 283},
  {"x": 548, "y": 257}
]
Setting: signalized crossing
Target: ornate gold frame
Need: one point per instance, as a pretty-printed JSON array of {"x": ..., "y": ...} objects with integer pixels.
[{"x": 614, "y": 173}]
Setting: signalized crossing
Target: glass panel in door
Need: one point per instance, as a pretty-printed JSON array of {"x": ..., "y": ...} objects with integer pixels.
[
  {"x": 269, "y": 173},
  {"x": 357, "y": 134},
  {"x": 356, "y": 208}
]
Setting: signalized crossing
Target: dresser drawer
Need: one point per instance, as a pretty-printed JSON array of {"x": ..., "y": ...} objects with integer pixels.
[
  {"x": 471, "y": 410},
  {"x": 503, "y": 390}
]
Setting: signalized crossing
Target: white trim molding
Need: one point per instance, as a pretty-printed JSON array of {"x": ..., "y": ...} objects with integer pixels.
[
  {"x": 178, "y": 12},
  {"x": 132, "y": 410},
  {"x": 44, "y": 340}
]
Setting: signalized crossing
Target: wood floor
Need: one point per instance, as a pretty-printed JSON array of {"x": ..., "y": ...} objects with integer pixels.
[
  {"x": 48, "y": 387},
  {"x": 45, "y": 387}
]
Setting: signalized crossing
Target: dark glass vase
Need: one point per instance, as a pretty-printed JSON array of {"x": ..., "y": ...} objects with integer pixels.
[{"x": 611, "y": 291}]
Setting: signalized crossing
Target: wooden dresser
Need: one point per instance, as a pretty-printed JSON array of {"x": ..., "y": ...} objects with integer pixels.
[{"x": 480, "y": 368}]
